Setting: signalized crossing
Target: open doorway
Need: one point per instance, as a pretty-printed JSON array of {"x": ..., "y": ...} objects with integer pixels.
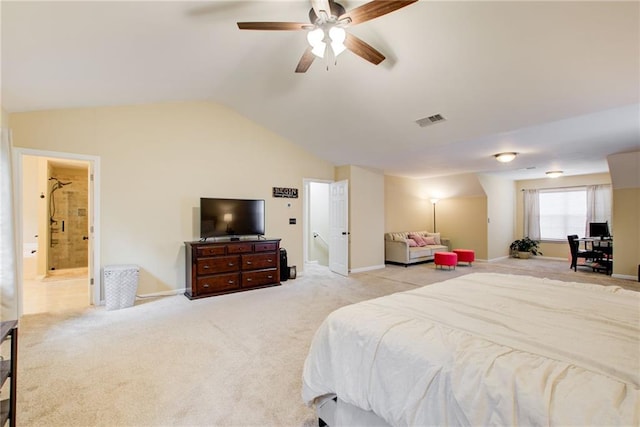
[
  {"x": 317, "y": 223},
  {"x": 57, "y": 207},
  {"x": 326, "y": 231}
]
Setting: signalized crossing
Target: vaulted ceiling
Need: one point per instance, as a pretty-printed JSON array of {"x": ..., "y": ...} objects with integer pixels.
[{"x": 557, "y": 82}]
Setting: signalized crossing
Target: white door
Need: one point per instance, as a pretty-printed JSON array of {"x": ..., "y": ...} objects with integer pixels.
[
  {"x": 94, "y": 281},
  {"x": 339, "y": 227}
]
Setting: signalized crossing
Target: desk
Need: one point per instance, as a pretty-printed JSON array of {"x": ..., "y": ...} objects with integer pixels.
[{"x": 603, "y": 251}]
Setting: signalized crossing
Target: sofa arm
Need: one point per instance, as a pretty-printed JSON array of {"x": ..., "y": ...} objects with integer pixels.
[
  {"x": 445, "y": 241},
  {"x": 396, "y": 251}
]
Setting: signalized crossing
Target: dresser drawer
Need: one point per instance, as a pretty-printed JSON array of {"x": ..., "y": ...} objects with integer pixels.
[
  {"x": 259, "y": 278},
  {"x": 265, "y": 247},
  {"x": 221, "y": 264},
  {"x": 239, "y": 248},
  {"x": 259, "y": 261},
  {"x": 219, "y": 283},
  {"x": 210, "y": 251}
]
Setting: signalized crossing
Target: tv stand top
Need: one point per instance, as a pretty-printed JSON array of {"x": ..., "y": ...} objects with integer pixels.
[{"x": 223, "y": 239}]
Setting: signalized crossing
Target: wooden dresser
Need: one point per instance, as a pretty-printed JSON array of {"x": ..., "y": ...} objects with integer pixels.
[{"x": 216, "y": 268}]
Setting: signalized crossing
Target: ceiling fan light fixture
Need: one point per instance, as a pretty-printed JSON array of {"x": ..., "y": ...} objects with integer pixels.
[
  {"x": 337, "y": 36},
  {"x": 315, "y": 39},
  {"x": 505, "y": 157},
  {"x": 319, "y": 50}
]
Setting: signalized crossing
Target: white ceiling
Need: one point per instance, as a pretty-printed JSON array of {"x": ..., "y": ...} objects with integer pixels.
[{"x": 557, "y": 82}]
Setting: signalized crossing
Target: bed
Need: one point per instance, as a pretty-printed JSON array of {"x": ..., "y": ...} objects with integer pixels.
[{"x": 480, "y": 349}]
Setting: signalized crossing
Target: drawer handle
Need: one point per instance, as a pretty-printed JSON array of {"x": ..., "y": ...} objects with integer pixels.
[
  {"x": 248, "y": 262},
  {"x": 206, "y": 267},
  {"x": 249, "y": 280},
  {"x": 231, "y": 264},
  {"x": 269, "y": 277},
  {"x": 206, "y": 285},
  {"x": 230, "y": 282},
  {"x": 269, "y": 260}
]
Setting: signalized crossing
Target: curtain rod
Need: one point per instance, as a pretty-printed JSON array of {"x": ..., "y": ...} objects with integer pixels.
[{"x": 560, "y": 188}]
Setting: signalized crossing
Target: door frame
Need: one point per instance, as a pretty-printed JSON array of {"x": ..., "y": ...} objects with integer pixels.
[
  {"x": 94, "y": 282},
  {"x": 306, "y": 201}
]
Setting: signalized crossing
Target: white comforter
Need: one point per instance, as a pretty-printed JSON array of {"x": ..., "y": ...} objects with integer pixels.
[{"x": 485, "y": 349}]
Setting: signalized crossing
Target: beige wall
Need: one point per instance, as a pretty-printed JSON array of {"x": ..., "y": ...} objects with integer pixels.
[
  {"x": 158, "y": 160},
  {"x": 501, "y": 204},
  {"x": 461, "y": 212},
  {"x": 464, "y": 221},
  {"x": 625, "y": 177},
  {"x": 626, "y": 232},
  {"x": 558, "y": 249},
  {"x": 366, "y": 216},
  {"x": 4, "y": 118},
  {"x": 407, "y": 205}
]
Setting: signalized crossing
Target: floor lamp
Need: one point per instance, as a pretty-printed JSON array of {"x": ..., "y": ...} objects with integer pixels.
[{"x": 434, "y": 201}]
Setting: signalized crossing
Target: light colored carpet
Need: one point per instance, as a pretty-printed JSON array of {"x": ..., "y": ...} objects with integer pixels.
[{"x": 232, "y": 360}]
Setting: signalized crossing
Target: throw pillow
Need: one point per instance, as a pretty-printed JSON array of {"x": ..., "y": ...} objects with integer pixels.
[
  {"x": 412, "y": 243},
  {"x": 418, "y": 239},
  {"x": 430, "y": 240},
  {"x": 436, "y": 236}
]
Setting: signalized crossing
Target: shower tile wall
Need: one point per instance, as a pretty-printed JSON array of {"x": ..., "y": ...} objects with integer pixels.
[{"x": 67, "y": 249}]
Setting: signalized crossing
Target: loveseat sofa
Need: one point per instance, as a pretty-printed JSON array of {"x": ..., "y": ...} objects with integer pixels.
[{"x": 400, "y": 249}]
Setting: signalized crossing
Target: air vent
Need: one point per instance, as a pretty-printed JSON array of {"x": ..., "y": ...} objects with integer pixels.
[{"x": 428, "y": 121}]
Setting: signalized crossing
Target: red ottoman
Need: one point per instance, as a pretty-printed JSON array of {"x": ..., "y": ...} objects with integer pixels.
[
  {"x": 465, "y": 255},
  {"x": 449, "y": 259}
]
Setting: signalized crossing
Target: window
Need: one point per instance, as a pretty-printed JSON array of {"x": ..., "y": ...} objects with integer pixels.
[{"x": 563, "y": 211}]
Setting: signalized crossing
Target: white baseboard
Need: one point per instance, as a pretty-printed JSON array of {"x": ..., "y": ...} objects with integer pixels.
[
  {"x": 162, "y": 293},
  {"x": 624, "y": 276},
  {"x": 554, "y": 258},
  {"x": 498, "y": 259},
  {"x": 363, "y": 269},
  {"x": 532, "y": 256}
]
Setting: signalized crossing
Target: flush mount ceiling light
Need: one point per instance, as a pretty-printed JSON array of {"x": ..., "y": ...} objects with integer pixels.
[
  {"x": 554, "y": 174},
  {"x": 505, "y": 157}
]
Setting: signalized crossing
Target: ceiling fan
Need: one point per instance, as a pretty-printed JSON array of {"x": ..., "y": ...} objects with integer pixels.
[{"x": 326, "y": 30}]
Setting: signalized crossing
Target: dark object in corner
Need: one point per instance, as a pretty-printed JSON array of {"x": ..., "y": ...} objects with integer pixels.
[{"x": 284, "y": 267}]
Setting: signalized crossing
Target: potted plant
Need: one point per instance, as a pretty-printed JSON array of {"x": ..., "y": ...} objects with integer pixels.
[{"x": 523, "y": 248}]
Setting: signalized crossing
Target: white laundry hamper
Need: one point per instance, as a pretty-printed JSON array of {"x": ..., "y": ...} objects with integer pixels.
[{"x": 120, "y": 285}]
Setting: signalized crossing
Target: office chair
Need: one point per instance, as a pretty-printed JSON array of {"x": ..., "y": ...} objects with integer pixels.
[{"x": 576, "y": 253}]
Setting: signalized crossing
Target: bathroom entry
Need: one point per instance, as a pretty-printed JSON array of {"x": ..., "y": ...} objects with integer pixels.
[
  {"x": 68, "y": 222},
  {"x": 55, "y": 219}
]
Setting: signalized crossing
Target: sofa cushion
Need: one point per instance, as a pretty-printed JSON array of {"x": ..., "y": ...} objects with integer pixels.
[
  {"x": 420, "y": 252},
  {"x": 426, "y": 251},
  {"x": 412, "y": 243}
]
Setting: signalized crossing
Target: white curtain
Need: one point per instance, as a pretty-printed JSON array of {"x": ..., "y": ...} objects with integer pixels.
[
  {"x": 531, "y": 214},
  {"x": 8, "y": 244},
  {"x": 598, "y": 204}
]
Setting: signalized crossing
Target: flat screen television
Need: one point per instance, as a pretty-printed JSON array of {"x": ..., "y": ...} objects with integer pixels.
[
  {"x": 599, "y": 229},
  {"x": 231, "y": 217}
]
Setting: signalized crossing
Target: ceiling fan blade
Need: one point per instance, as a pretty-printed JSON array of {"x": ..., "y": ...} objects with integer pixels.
[
  {"x": 274, "y": 26},
  {"x": 374, "y": 9},
  {"x": 305, "y": 61},
  {"x": 362, "y": 49},
  {"x": 319, "y": 5}
]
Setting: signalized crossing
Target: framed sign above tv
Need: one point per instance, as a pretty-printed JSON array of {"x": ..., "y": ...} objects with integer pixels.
[{"x": 288, "y": 193}]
